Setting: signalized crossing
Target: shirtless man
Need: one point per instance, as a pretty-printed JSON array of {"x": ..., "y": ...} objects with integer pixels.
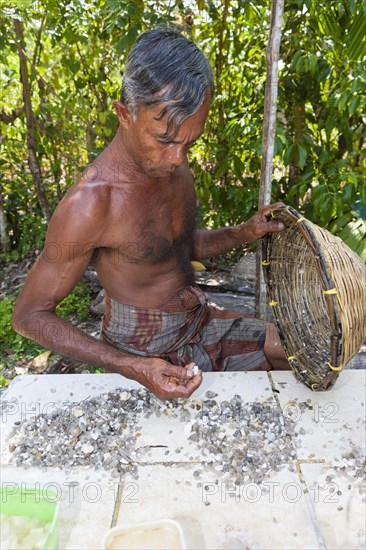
[{"x": 133, "y": 215}]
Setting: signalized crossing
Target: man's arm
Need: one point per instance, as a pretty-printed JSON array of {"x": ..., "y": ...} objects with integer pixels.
[
  {"x": 64, "y": 259},
  {"x": 208, "y": 243}
]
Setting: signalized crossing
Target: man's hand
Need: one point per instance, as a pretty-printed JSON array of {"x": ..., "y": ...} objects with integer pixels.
[
  {"x": 262, "y": 222},
  {"x": 167, "y": 381}
]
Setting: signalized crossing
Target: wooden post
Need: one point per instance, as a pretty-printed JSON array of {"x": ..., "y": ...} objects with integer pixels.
[{"x": 269, "y": 132}]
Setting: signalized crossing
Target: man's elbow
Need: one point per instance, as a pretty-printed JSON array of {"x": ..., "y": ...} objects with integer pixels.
[
  {"x": 17, "y": 320},
  {"x": 22, "y": 321}
]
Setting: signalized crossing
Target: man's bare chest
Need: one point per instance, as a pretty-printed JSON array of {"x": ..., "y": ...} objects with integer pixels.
[{"x": 152, "y": 229}]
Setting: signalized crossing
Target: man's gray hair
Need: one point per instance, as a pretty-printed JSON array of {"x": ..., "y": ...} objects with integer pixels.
[{"x": 165, "y": 66}]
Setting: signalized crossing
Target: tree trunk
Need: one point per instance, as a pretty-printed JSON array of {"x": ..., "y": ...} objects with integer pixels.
[
  {"x": 269, "y": 132},
  {"x": 299, "y": 122},
  {"x": 219, "y": 65},
  {"x": 91, "y": 137},
  {"x": 30, "y": 120},
  {"x": 4, "y": 237}
]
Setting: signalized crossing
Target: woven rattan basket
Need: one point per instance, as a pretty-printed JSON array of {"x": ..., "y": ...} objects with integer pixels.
[{"x": 317, "y": 289}]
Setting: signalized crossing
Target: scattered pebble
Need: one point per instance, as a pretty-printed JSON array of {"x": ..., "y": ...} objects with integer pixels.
[{"x": 353, "y": 464}]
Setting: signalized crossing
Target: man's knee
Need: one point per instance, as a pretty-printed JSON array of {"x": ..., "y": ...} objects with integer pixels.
[{"x": 273, "y": 349}]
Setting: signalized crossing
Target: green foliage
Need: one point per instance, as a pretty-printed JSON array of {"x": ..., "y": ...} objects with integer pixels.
[
  {"x": 76, "y": 50},
  {"x": 352, "y": 230},
  {"x": 9, "y": 339},
  {"x": 74, "y": 308},
  {"x": 319, "y": 150}
]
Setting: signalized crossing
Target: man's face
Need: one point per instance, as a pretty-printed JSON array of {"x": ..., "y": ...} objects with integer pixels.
[{"x": 146, "y": 143}]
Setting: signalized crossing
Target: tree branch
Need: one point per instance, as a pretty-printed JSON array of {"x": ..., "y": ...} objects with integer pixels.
[{"x": 8, "y": 118}]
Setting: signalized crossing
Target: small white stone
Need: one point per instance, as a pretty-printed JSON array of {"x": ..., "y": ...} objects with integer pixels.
[
  {"x": 124, "y": 396},
  {"x": 87, "y": 449},
  {"x": 77, "y": 412}
]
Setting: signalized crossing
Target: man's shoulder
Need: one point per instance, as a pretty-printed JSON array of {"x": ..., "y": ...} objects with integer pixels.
[
  {"x": 91, "y": 206},
  {"x": 83, "y": 199},
  {"x": 95, "y": 191}
]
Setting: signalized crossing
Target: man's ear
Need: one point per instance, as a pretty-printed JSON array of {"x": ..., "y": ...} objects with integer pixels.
[{"x": 123, "y": 113}]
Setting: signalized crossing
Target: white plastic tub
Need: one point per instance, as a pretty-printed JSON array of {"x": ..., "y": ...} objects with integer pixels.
[{"x": 165, "y": 534}]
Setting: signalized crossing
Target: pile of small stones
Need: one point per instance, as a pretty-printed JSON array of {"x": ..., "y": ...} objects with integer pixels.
[
  {"x": 100, "y": 431},
  {"x": 248, "y": 441},
  {"x": 353, "y": 463}
]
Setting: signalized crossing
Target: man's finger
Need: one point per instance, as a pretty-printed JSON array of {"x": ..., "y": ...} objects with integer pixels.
[
  {"x": 193, "y": 384},
  {"x": 172, "y": 390},
  {"x": 192, "y": 369},
  {"x": 184, "y": 390},
  {"x": 275, "y": 226},
  {"x": 267, "y": 210},
  {"x": 181, "y": 373}
]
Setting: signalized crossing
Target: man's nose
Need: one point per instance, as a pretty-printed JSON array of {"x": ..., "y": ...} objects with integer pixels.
[{"x": 177, "y": 155}]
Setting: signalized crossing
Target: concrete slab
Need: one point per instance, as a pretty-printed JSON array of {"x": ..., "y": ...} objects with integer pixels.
[
  {"x": 294, "y": 508},
  {"x": 326, "y": 421},
  {"x": 339, "y": 505}
]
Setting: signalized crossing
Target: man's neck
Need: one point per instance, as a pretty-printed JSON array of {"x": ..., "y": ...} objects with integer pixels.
[{"x": 123, "y": 163}]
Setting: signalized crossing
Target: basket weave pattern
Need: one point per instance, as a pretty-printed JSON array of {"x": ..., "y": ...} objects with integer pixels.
[{"x": 317, "y": 289}]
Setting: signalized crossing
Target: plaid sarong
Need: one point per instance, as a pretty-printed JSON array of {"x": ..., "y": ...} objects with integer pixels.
[{"x": 187, "y": 329}]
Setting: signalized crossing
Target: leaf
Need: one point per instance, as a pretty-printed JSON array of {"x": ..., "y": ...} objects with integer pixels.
[
  {"x": 331, "y": 26},
  {"x": 127, "y": 40},
  {"x": 349, "y": 193},
  {"x": 288, "y": 154},
  {"x": 363, "y": 194},
  {"x": 41, "y": 361},
  {"x": 102, "y": 115},
  {"x": 341, "y": 9},
  {"x": 313, "y": 63},
  {"x": 238, "y": 166},
  {"x": 74, "y": 66},
  {"x": 207, "y": 179},
  {"x": 354, "y": 234},
  {"x": 21, "y": 3},
  {"x": 361, "y": 250},
  {"x": 344, "y": 100},
  {"x": 298, "y": 62},
  {"x": 356, "y": 39},
  {"x": 198, "y": 266},
  {"x": 340, "y": 222},
  {"x": 303, "y": 154}
]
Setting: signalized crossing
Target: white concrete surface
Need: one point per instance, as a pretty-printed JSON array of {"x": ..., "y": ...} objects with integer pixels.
[{"x": 299, "y": 507}]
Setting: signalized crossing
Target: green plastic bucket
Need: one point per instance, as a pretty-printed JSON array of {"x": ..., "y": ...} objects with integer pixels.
[{"x": 33, "y": 502}]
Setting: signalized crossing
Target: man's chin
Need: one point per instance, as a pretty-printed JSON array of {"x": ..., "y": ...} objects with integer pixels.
[{"x": 158, "y": 173}]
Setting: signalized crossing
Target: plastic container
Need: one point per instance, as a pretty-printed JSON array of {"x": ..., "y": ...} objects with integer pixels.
[
  {"x": 165, "y": 534},
  {"x": 33, "y": 502}
]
